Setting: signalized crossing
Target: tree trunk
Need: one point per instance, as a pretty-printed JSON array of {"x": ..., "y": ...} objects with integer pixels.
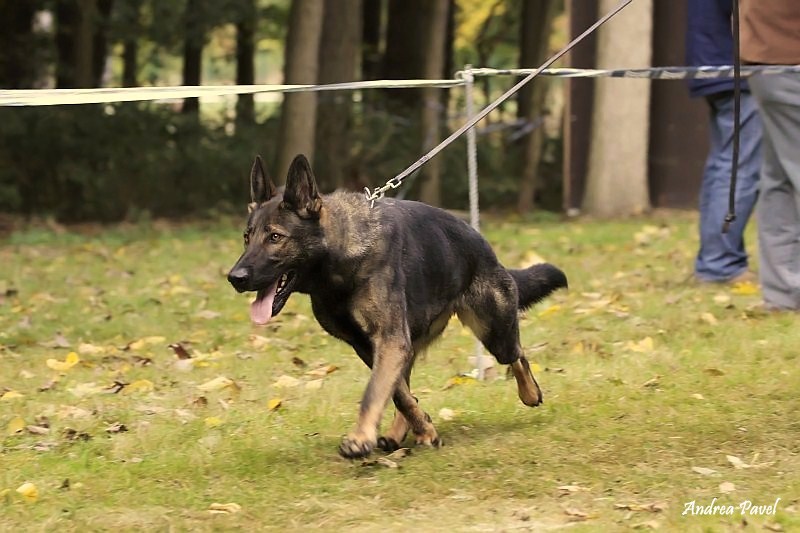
[
  {"x": 130, "y": 43},
  {"x": 17, "y": 59},
  {"x": 405, "y": 52},
  {"x": 66, "y": 26},
  {"x": 430, "y": 123},
  {"x": 100, "y": 40},
  {"x": 298, "y": 115},
  {"x": 338, "y": 62},
  {"x": 245, "y": 60},
  {"x": 485, "y": 44},
  {"x": 535, "y": 29},
  {"x": 74, "y": 43},
  {"x": 371, "y": 39},
  {"x": 194, "y": 39},
  {"x": 84, "y": 43},
  {"x": 617, "y": 177},
  {"x": 449, "y": 68}
]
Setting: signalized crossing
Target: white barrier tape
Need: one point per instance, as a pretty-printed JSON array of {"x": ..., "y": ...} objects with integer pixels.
[
  {"x": 658, "y": 73},
  {"x": 48, "y": 97}
]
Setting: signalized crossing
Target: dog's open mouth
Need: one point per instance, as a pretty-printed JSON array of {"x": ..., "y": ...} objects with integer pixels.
[{"x": 270, "y": 301}]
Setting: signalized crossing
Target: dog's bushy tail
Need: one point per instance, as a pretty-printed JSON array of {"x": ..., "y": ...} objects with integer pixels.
[{"x": 535, "y": 283}]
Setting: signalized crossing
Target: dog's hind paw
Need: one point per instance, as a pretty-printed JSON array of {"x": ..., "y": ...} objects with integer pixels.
[
  {"x": 388, "y": 444},
  {"x": 355, "y": 447}
]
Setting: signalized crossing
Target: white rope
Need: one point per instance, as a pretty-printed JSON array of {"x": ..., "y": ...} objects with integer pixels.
[
  {"x": 658, "y": 73},
  {"x": 48, "y": 97},
  {"x": 474, "y": 212},
  {"x": 472, "y": 155}
]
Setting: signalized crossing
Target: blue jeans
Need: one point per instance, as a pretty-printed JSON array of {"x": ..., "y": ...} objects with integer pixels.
[{"x": 722, "y": 256}]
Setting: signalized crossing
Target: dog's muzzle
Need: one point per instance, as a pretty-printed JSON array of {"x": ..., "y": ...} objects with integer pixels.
[{"x": 240, "y": 278}]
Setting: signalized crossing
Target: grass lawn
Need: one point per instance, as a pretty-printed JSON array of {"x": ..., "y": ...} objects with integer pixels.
[{"x": 658, "y": 392}]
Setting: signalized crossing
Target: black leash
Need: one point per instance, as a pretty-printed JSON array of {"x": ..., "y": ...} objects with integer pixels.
[{"x": 737, "y": 98}]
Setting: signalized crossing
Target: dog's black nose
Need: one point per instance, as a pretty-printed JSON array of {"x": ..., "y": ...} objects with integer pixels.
[{"x": 239, "y": 278}]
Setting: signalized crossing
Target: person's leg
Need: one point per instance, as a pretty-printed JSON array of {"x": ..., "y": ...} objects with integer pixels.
[
  {"x": 779, "y": 210},
  {"x": 722, "y": 256}
]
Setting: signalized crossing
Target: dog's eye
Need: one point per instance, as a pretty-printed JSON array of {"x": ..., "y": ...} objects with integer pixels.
[{"x": 275, "y": 237}]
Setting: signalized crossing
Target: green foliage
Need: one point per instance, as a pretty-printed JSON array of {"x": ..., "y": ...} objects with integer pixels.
[
  {"x": 106, "y": 162},
  {"x": 127, "y": 160}
]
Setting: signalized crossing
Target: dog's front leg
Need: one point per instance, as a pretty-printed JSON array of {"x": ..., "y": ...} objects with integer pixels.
[{"x": 391, "y": 356}]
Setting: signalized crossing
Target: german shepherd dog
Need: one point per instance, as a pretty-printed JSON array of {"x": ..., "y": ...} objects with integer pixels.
[{"x": 386, "y": 280}]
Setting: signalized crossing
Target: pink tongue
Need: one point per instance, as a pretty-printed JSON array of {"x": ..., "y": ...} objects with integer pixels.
[{"x": 261, "y": 308}]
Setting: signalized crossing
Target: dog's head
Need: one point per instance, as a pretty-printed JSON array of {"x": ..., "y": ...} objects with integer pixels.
[{"x": 282, "y": 239}]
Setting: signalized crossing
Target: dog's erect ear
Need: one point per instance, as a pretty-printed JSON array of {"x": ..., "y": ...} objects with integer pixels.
[
  {"x": 301, "y": 194},
  {"x": 261, "y": 187}
]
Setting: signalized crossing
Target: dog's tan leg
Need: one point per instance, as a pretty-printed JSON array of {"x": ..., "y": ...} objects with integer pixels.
[
  {"x": 393, "y": 438},
  {"x": 409, "y": 416},
  {"x": 418, "y": 420},
  {"x": 527, "y": 388},
  {"x": 497, "y": 326},
  {"x": 387, "y": 369}
]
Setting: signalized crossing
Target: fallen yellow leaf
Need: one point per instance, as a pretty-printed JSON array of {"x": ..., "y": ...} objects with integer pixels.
[
  {"x": 29, "y": 492},
  {"x": 531, "y": 258},
  {"x": 140, "y": 385},
  {"x": 71, "y": 360},
  {"x": 89, "y": 349},
  {"x": 141, "y": 343},
  {"x": 258, "y": 342},
  {"x": 218, "y": 383},
  {"x": 553, "y": 309},
  {"x": 703, "y": 471},
  {"x": 16, "y": 425},
  {"x": 745, "y": 288},
  {"x": 213, "y": 421},
  {"x": 709, "y": 319},
  {"x": 446, "y": 414},
  {"x": 721, "y": 298},
  {"x": 322, "y": 371},
  {"x": 314, "y": 384},
  {"x": 458, "y": 380},
  {"x": 178, "y": 290},
  {"x": 11, "y": 395},
  {"x": 224, "y": 508},
  {"x": 274, "y": 404},
  {"x": 643, "y": 346},
  {"x": 285, "y": 382},
  {"x": 566, "y": 489},
  {"x": 87, "y": 389}
]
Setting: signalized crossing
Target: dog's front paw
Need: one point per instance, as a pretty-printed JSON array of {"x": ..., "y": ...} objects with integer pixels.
[{"x": 355, "y": 446}]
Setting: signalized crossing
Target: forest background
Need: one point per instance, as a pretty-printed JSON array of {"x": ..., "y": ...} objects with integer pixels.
[{"x": 180, "y": 158}]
